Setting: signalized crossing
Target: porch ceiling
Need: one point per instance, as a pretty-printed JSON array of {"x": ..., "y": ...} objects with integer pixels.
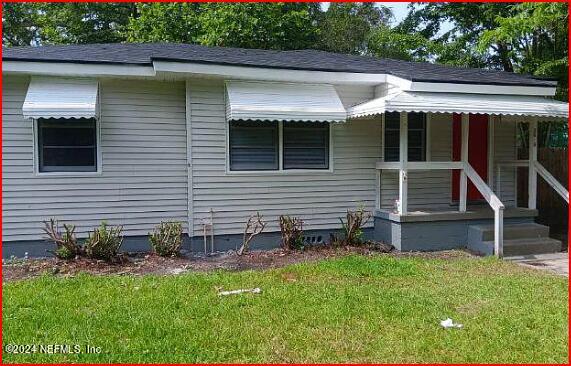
[{"x": 433, "y": 102}]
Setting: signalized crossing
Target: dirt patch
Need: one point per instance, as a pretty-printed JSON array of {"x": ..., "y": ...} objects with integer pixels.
[{"x": 152, "y": 264}]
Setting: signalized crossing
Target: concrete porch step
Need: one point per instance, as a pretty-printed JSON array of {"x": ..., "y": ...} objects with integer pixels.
[
  {"x": 518, "y": 247},
  {"x": 511, "y": 231},
  {"x": 519, "y": 239}
]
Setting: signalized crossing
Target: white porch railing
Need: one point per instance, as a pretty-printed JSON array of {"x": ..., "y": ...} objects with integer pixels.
[
  {"x": 474, "y": 177},
  {"x": 494, "y": 203},
  {"x": 539, "y": 168},
  {"x": 466, "y": 172},
  {"x": 552, "y": 181}
]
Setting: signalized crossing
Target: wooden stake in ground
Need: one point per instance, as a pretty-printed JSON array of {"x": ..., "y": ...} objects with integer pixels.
[{"x": 254, "y": 226}]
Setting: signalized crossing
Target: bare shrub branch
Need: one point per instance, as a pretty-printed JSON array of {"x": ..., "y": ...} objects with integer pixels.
[
  {"x": 66, "y": 243},
  {"x": 254, "y": 226}
]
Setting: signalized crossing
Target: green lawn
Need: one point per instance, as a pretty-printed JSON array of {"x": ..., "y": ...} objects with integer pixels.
[{"x": 350, "y": 309}]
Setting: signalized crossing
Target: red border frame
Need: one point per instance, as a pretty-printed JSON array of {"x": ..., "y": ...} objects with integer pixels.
[{"x": 396, "y": 1}]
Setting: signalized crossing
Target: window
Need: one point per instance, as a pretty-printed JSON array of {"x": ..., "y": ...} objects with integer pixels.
[
  {"x": 306, "y": 145},
  {"x": 254, "y": 145},
  {"x": 67, "y": 145},
  {"x": 416, "y": 136}
]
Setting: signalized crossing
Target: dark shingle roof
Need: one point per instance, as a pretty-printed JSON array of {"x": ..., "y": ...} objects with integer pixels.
[{"x": 145, "y": 53}]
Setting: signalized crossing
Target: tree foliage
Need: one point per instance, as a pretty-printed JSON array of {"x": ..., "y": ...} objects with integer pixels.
[
  {"x": 346, "y": 27},
  {"x": 19, "y": 24},
  {"x": 280, "y": 26},
  {"x": 164, "y": 22},
  {"x": 535, "y": 36},
  {"x": 65, "y": 23}
]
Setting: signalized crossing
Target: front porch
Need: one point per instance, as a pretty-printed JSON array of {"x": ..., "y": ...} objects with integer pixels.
[
  {"x": 453, "y": 221},
  {"x": 442, "y": 229}
]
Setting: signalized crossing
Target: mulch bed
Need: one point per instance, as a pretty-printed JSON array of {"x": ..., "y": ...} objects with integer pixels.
[{"x": 138, "y": 264}]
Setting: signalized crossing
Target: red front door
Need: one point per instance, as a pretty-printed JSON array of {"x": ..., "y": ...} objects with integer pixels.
[{"x": 477, "y": 152}]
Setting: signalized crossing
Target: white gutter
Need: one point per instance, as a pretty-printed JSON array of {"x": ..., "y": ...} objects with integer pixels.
[
  {"x": 482, "y": 89},
  {"x": 75, "y": 69},
  {"x": 267, "y": 74}
]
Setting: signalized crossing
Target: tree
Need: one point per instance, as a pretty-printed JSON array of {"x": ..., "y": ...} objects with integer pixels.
[
  {"x": 458, "y": 45},
  {"x": 250, "y": 25},
  {"x": 19, "y": 24},
  {"x": 65, "y": 23},
  {"x": 282, "y": 26},
  {"x": 346, "y": 27},
  {"x": 387, "y": 42},
  {"x": 165, "y": 22},
  {"x": 536, "y": 37}
]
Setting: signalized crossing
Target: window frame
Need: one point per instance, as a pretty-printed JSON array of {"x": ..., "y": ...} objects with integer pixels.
[
  {"x": 326, "y": 147},
  {"x": 280, "y": 170},
  {"x": 427, "y": 138},
  {"x": 276, "y": 152},
  {"x": 75, "y": 173}
]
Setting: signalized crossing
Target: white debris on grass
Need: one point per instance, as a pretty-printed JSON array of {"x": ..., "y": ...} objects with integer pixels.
[
  {"x": 449, "y": 323},
  {"x": 256, "y": 290}
]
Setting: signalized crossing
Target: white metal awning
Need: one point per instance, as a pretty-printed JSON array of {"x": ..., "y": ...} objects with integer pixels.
[
  {"x": 56, "y": 97},
  {"x": 273, "y": 101},
  {"x": 406, "y": 101}
]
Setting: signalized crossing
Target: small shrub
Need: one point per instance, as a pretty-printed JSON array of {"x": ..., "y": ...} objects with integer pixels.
[
  {"x": 166, "y": 239},
  {"x": 66, "y": 242},
  {"x": 292, "y": 232},
  {"x": 104, "y": 242},
  {"x": 254, "y": 227},
  {"x": 353, "y": 226}
]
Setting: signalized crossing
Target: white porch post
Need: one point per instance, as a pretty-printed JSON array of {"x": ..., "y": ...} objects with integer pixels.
[
  {"x": 403, "y": 160},
  {"x": 532, "y": 180},
  {"x": 464, "y": 158},
  {"x": 499, "y": 232}
]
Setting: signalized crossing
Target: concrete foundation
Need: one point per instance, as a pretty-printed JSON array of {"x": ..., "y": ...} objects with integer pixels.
[{"x": 437, "y": 230}]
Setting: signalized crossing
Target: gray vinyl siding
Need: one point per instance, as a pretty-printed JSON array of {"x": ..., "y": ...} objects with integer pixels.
[
  {"x": 505, "y": 149},
  {"x": 319, "y": 198},
  {"x": 144, "y": 177},
  {"x": 144, "y": 170}
]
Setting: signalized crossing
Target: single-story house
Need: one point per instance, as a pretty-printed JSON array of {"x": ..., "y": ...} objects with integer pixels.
[{"x": 136, "y": 134}]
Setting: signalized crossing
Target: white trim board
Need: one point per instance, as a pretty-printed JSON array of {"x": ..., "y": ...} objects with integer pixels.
[
  {"x": 267, "y": 74},
  {"x": 75, "y": 69},
  {"x": 187, "y": 69}
]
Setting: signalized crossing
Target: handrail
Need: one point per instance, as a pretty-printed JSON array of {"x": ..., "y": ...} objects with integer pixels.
[
  {"x": 494, "y": 202},
  {"x": 541, "y": 170},
  {"x": 484, "y": 189},
  {"x": 552, "y": 181},
  {"x": 421, "y": 165},
  {"x": 474, "y": 177}
]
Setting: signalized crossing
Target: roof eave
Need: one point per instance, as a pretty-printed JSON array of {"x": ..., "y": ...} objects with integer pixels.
[{"x": 225, "y": 71}]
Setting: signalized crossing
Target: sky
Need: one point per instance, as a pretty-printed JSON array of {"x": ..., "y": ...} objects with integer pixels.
[{"x": 399, "y": 10}]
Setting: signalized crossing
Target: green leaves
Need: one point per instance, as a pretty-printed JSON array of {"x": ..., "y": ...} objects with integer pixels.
[{"x": 535, "y": 37}]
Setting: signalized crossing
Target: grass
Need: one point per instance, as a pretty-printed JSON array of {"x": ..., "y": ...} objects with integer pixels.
[{"x": 351, "y": 309}]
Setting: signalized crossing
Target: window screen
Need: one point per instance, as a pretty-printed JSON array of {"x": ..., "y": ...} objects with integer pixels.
[
  {"x": 306, "y": 145},
  {"x": 254, "y": 145},
  {"x": 67, "y": 145},
  {"x": 416, "y": 136}
]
